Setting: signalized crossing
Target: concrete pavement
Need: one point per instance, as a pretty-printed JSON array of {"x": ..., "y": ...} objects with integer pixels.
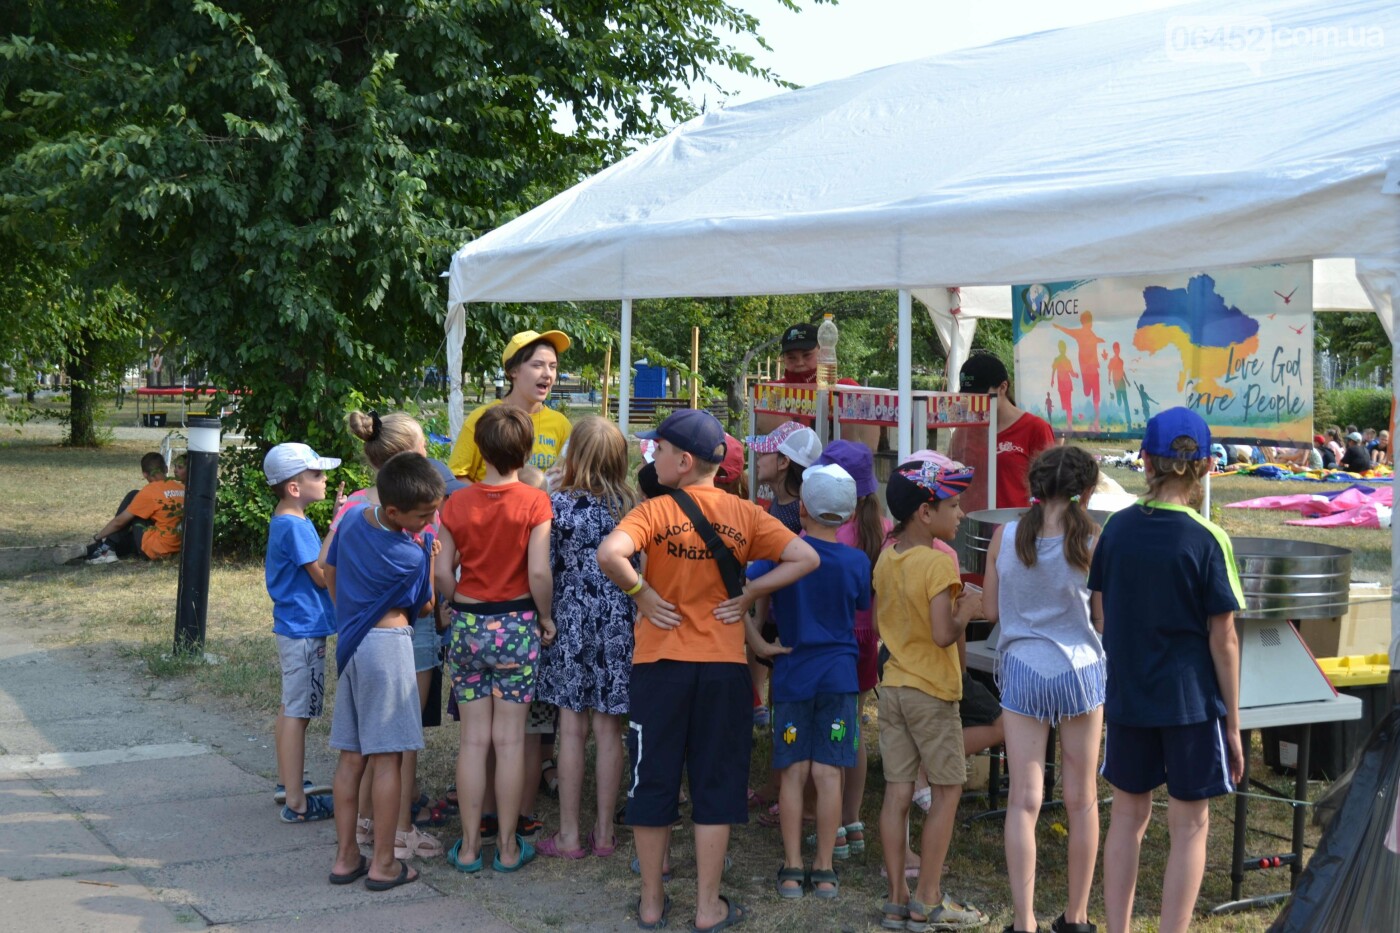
[{"x": 125, "y": 806}]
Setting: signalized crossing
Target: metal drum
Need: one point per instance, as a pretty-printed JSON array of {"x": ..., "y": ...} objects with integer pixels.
[
  {"x": 1292, "y": 579},
  {"x": 975, "y": 533}
]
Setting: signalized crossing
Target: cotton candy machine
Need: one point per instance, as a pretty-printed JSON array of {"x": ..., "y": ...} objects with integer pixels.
[
  {"x": 975, "y": 534},
  {"x": 1292, "y": 579}
]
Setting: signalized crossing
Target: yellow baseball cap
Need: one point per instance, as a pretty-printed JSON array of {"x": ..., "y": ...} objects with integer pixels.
[{"x": 557, "y": 339}]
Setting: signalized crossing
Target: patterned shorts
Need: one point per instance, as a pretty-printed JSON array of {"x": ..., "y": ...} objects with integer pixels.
[{"x": 494, "y": 651}]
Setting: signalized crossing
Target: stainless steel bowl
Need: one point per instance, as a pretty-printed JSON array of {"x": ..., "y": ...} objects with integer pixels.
[
  {"x": 1292, "y": 579},
  {"x": 975, "y": 535}
]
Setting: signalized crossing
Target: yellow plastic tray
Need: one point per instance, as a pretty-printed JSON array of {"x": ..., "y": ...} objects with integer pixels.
[{"x": 1356, "y": 670}]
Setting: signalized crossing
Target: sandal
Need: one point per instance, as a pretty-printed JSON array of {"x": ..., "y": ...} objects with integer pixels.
[
  {"x": 601, "y": 851},
  {"x": 857, "y": 846},
  {"x": 449, "y": 803},
  {"x": 660, "y": 923},
  {"x": 373, "y": 884},
  {"x": 364, "y": 832},
  {"x": 769, "y": 818},
  {"x": 549, "y": 777},
  {"x": 430, "y": 815},
  {"x": 787, "y": 875},
  {"x": 948, "y": 914},
  {"x": 415, "y": 844},
  {"x": 893, "y": 916},
  {"x": 550, "y": 848},
  {"x": 821, "y": 876},
  {"x": 841, "y": 849},
  {"x": 454, "y": 858},
  {"x": 735, "y": 915}
]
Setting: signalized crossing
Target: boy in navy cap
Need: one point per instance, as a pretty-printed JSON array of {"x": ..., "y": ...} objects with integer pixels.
[
  {"x": 1165, "y": 589},
  {"x": 691, "y": 705}
]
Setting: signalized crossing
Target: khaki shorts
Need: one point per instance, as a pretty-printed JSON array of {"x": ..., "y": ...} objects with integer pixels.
[{"x": 915, "y": 729}]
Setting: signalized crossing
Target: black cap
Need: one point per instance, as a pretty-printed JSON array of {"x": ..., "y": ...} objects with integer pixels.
[
  {"x": 983, "y": 372},
  {"x": 800, "y": 337}
]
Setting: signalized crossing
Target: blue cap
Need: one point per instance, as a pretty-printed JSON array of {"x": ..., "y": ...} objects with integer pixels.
[
  {"x": 694, "y": 431},
  {"x": 1165, "y": 427}
]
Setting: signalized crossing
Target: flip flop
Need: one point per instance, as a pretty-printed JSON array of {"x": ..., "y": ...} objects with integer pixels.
[
  {"x": 737, "y": 915},
  {"x": 660, "y": 924},
  {"x": 402, "y": 879},
  {"x": 352, "y": 877}
]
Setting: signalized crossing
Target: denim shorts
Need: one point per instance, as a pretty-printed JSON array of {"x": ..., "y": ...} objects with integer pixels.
[
  {"x": 824, "y": 729},
  {"x": 494, "y": 651},
  {"x": 426, "y": 644}
]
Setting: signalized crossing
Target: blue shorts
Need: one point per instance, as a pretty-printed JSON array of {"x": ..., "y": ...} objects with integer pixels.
[
  {"x": 696, "y": 715},
  {"x": 824, "y": 729},
  {"x": 1193, "y": 760}
]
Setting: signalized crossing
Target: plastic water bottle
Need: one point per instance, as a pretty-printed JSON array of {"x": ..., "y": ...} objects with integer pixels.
[{"x": 826, "y": 353}]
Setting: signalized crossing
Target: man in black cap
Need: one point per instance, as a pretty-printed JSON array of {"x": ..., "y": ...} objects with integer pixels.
[
  {"x": 800, "y": 368},
  {"x": 1020, "y": 436}
]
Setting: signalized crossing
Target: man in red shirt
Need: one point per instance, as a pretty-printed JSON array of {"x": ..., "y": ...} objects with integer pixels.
[
  {"x": 800, "y": 368},
  {"x": 1020, "y": 436}
]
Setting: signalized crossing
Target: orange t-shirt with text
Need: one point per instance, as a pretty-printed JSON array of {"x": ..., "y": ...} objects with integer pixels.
[
  {"x": 680, "y": 568},
  {"x": 163, "y": 505}
]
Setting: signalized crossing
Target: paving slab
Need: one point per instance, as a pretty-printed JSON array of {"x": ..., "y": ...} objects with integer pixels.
[
  {"x": 121, "y": 786},
  {"x": 104, "y": 902},
  {"x": 83, "y": 735},
  {"x": 26, "y": 795},
  {"x": 168, "y": 833},
  {"x": 42, "y": 838},
  {"x": 276, "y": 886},
  {"x": 428, "y": 915},
  {"x": 51, "y": 705}
]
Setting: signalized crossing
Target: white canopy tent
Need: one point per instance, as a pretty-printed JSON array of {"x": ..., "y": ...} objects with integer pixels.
[{"x": 1172, "y": 141}]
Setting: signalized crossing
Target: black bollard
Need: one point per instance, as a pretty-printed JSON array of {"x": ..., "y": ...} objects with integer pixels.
[{"x": 192, "y": 599}]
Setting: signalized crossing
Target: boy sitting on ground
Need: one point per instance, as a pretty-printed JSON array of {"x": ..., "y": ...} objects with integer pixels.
[
  {"x": 148, "y": 521},
  {"x": 302, "y": 617},
  {"x": 816, "y": 722},
  {"x": 377, "y": 575}
]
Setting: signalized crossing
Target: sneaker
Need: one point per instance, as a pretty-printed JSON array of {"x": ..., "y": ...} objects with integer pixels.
[
  {"x": 318, "y": 807},
  {"x": 308, "y": 787},
  {"x": 490, "y": 829},
  {"x": 104, "y": 556},
  {"x": 528, "y": 827}
]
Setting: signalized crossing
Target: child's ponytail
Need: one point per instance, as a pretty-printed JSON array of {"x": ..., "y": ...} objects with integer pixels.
[
  {"x": 870, "y": 526},
  {"x": 1064, "y": 472}
]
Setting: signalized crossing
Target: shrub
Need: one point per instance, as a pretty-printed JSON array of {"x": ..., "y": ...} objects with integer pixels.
[
  {"x": 1365, "y": 408},
  {"x": 244, "y": 503}
]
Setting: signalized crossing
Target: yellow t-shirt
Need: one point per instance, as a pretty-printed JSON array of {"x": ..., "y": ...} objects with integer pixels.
[
  {"x": 681, "y": 569},
  {"x": 905, "y": 584},
  {"x": 551, "y": 431}
]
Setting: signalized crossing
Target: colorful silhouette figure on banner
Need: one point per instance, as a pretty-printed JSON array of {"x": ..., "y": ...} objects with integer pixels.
[
  {"x": 1062, "y": 376},
  {"x": 1146, "y": 408},
  {"x": 1049, "y": 408},
  {"x": 1119, "y": 377},
  {"x": 1088, "y": 342}
]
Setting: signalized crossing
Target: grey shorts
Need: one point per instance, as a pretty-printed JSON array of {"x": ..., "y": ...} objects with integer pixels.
[
  {"x": 426, "y": 644},
  {"x": 303, "y": 676},
  {"x": 376, "y": 699}
]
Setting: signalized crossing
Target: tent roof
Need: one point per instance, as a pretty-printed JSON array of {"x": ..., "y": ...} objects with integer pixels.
[{"x": 1089, "y": 151}]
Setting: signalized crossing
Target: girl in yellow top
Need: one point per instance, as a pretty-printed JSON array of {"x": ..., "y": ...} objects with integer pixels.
[{"x": 531, "y": 362}]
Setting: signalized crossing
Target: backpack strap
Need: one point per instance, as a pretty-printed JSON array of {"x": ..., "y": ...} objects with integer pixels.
[{"x": 730, "y": 570}]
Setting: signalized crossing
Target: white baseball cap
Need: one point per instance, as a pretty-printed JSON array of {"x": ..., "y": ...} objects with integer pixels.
[
  {"x": 829, "y": 494},
  {"x": 287, "y": 460},
  {"x": 802, "y": 447}
]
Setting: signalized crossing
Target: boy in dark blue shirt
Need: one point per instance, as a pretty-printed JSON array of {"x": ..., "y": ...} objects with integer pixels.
[
  {"x": 1164, "y": 584},
  {"x": 302, "y": 618},
  {"x": 380, "y": 579},
  {"x": 816, "y": 725}
]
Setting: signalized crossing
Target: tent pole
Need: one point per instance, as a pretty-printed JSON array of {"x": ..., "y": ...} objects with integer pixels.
[
  {"x": 607, "y": 377},
  {"x": 906, "y": 373},
  {"x": 624, "y": 370}
]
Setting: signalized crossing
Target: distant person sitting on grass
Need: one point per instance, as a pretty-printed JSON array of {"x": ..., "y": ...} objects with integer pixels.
[
  {"x": 381, "y": 580},
  {"x": 302, "y": 618},
  {"x": 148, "y": 523}
]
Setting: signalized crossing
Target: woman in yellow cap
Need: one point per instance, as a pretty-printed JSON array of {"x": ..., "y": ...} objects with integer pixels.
[{"x": 531, "y": 363}]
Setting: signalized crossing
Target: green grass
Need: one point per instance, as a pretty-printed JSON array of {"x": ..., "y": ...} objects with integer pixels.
[{"x": 128, "y": 608}]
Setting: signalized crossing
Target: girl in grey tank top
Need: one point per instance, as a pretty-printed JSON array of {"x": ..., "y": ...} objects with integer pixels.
[{"x": 1051, "y": 673}]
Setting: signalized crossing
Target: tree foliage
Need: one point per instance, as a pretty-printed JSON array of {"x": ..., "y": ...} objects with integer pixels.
[{"x": 282, "y": 183}]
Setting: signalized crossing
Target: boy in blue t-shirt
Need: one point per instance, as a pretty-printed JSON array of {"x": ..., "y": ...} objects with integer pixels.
[
  {"x": 816, "y": 725},
  {"x": 380, "y": 578},
  {"x": 1164, "y": 586},
  {"x": 302, "y": 617}
]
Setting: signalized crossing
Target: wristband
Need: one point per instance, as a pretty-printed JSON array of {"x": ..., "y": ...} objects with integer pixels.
[{"x": 636, "y": 587}]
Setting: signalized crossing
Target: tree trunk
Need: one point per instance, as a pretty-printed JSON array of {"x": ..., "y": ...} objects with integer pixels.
[{"x": 82, "y": 393}]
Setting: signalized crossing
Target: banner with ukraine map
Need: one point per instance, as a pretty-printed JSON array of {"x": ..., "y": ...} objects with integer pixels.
[{"x": 1100, "y": 356}]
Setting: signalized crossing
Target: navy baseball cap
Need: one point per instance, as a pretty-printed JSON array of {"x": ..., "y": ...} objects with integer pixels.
[
  {"x": 1165, "y": 427},
  {"x": 800, "y": 337},
  {"x": 694, "y": 431}
]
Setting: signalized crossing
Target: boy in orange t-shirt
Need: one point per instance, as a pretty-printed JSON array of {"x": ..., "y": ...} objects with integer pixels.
[
  {"x": 149, "y": 521},
  {"x": 690, "y": 697}
]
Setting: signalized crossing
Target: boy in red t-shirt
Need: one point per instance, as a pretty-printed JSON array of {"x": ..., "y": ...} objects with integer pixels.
[
  {"x": 690, "y": 696},
  {"x": 147, "y": 523},
  {"x": 1020, "y": 436},
  {"x": 496, "y": 532}
]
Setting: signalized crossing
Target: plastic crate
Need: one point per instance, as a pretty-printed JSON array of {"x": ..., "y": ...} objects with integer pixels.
[{"x": 1334, "y": 744}]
